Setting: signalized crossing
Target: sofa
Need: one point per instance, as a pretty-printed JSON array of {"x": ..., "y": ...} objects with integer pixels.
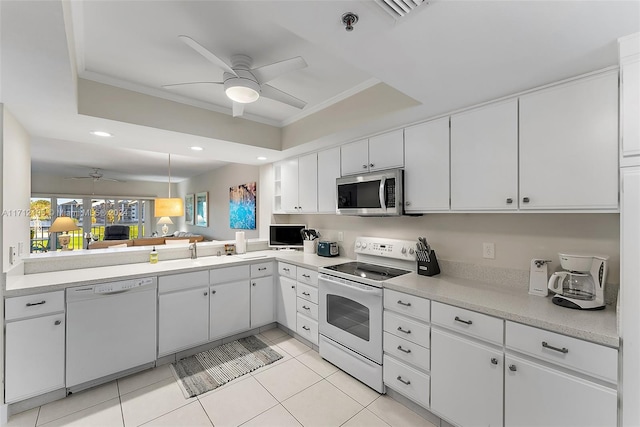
[{"x": 145, "y": 241}]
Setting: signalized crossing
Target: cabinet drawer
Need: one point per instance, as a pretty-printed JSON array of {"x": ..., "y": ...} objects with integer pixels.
[
  {"x": 33, "y": 305},
  {"x": 407, "y": 351},
  {"x": 406, "y": 380},
  {"x": 307, "y": 328},
  {"x": 589, "y": 358},
  {"x": 409, "y": 305},
  {"x": 287, "y": 270},
  {"x": 307, "y": 276},
  {"x": 178, "y": 282},
  {"x": 406, "y": 328},
  {"x": 229, "y": 274},
  {"x": 307, "y": 292},
  {"x": 468, "y": 322},
  {"x": 262, "y": 269},
  {"x": 307, "y": 308}
]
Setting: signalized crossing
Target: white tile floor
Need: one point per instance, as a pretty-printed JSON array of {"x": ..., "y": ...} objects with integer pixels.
[{"x": 301, "y": 389}]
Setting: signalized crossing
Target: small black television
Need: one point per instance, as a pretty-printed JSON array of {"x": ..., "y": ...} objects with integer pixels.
[{"x": 286, "y": 236}]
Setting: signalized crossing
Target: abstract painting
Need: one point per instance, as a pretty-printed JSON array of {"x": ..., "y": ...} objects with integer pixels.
[{"x": 242, "y": 206}]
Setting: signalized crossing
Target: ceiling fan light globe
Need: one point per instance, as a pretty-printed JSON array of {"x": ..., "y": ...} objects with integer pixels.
[{"x": 242, "y": 94}]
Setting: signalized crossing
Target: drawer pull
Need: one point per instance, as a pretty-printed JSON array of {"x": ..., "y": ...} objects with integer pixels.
[
  {"x": 253, "y": 284},
  {"x": 403, "y": 381},
  {"x": 286, "y": 269},
  {"x": 406, "y": 304},
  {"x": 262, "y": 268},
  {"x": 513, "y": 368},
  {"x": 466, "y": 322},
  {"x": 306, "y": 328},
  {"x": 403, "y": 350},
  {"x": 550, "y": 347},
  {"x": 306, "y": 308},
  {"x": 293, "y": 287},
  {"x": 57, "y": 322},
  {"x": 306, "y": 294},
  {"x": 31, "y": 304},
  {"x": 494, "y": 361},
  {"x": 206, "y": 293},
  {"x": 213, "y": 292},
  {"x": 307, "y": 276},
  {"x": 408, "y": 331}
]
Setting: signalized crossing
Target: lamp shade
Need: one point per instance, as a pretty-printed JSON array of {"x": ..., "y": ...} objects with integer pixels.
[
  {"x": 169, "y": 207},
  {"x": 165, "y": 220},
  {"x": 63, "y": 223}
]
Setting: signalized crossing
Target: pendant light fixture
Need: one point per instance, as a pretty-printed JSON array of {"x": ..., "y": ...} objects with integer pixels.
[{"x": 169, "y": 206}]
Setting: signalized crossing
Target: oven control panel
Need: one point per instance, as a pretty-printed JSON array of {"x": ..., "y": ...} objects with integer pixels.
[{"x": 388, "y": 248}]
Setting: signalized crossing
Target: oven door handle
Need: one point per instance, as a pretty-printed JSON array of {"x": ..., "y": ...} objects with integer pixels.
[
  {"x": 368, "y": 290},
  {"x": 383, "y": 202}
]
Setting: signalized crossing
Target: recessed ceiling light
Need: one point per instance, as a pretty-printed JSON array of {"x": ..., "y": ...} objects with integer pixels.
[
  {"x": 262, "y": 158},
  {"x": 101, "y": 133},
  {"x": 197, "y": 148}
]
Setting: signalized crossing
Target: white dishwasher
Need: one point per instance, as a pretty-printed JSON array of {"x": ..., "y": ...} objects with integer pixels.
[{"x": 111, "y": 327}]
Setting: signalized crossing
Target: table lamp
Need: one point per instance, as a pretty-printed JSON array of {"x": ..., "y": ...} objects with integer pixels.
[
  {"x": 165, "y": 220},
  {"x": 62, "y": 224}
]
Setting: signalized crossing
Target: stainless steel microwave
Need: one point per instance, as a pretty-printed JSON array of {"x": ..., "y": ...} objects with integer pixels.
[{"x": 371, "y": 194}]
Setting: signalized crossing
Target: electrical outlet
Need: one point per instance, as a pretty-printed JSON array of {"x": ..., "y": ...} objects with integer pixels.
[
  {"x": 340, "y": 236},
  {"x": 489, "y": 250}
]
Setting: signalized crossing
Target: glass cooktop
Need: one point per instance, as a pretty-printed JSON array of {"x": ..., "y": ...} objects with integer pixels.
[{"x": 368, "y": 271}]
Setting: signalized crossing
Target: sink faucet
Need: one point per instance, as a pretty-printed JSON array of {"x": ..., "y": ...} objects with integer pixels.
[{"x": 194, "y": 250}]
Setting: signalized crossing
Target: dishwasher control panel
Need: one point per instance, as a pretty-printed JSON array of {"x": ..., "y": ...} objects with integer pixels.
[{"x": 122, "y": 286}]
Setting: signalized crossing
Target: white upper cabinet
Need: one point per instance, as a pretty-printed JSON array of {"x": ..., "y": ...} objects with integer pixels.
[
  {"x": 630, "y": 100},
  {"x": 298, "y": 185},
  {"x": 377, "y": 153},
  {"x": 484, "y": 158},
  {"x": 568, "y": 145},
  {"x": 426, "y": 166},
  {"x": 328, "y": 171}
]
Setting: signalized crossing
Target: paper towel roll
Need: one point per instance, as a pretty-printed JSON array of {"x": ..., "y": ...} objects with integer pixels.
[{"x": 241, "y": 243}]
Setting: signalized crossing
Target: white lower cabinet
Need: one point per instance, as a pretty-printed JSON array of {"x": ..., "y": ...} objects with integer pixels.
[
  {"x": 537, "y": 395},
  {"x": 466, "y": 380},
  {"x": 286, "y": 302},
  {"x": 183, "y": 311},
  {"x": 406, "y": 380},
  {"x": 229, "y": 309},
  {"x": 262, "y": 301},
  {"x": 34, "y": 356}
]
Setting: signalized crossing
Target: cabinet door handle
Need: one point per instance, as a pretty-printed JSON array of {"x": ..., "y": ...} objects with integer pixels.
[
  {"x": 57, "y": 322},
  {"x": 213, "y": 292},
  {"x": 206, "y": 293},
  {"x": 466, "y": 322},
  {"x": 550, "y": 347},
  {"x": 408, "y": 331},
  {"x": 293, "y": 287},
  {"x": 285, "y": 269},
  {"x": 494, "y": 361},
  {"x": 371, "y": 165},
  {"x": 253, "y": 284},
  {"x": 525, "y": 200},
  {"x": 406, "y": 304},
  {"x": 306, "y": 328},
  {"x": 509, "y": 200},
  {"x": 403, "y": 381},
  {"x": 262, "y": 268},
  {"x": 306, "y": 275},
  {"x": 31, "y": 304},
  {"x": 403, "y": 350},
  {"x": 513, "y": 368},
  {"x": 306, "y": 308},
  {"x": 364, "y": 166},
  {"x": 407, "y": 203},
  {"x": 306, "y": 294}
]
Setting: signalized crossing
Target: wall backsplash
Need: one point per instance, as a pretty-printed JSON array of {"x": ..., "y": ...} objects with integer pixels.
[{"x": 518, "y": 237}]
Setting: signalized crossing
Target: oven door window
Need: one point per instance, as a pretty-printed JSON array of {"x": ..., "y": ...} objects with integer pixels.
[{"x": 348, "y": 315}]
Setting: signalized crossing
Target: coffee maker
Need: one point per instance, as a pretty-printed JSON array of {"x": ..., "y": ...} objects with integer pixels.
[{"x": 581, "y": 286}]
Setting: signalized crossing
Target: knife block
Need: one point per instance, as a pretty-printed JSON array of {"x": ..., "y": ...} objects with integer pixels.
[{"x": 428, "y": 268}]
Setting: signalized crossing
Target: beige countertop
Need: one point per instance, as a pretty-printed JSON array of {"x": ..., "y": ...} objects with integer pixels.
[
  {"x": 507, "y": 302},
  {"x": 513, "y": 304}
]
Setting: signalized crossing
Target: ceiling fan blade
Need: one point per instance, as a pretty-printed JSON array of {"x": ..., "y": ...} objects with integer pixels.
[
  {"x": 207, "y": 54},
  {"x": 269, "y": 72},
  {"x": 238, "y": 109},
  {"x": 171, "y": 86},
  {"x": 278, "y": 95}
]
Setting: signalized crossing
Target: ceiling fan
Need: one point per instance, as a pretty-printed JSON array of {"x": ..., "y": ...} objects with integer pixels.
[
  {"x": 95, "y": 175},
  {"x": 243, "y": 84}
]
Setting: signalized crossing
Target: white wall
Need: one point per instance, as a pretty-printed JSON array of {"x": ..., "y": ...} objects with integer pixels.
[
  {"x": 48, "y": 184},
  {"x": 16, "y": 170},
  {"x": 518, "y": 237},
  {"x": 217, "y": 183}
]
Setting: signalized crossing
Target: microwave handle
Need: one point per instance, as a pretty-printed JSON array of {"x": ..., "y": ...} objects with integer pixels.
[{"x": 383, "y": 202}]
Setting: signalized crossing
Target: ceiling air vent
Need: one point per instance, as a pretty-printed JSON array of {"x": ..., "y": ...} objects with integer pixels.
[{"x": 399, "y": 8}]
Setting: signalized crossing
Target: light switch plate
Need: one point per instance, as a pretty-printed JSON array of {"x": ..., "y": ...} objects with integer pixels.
[{"x": 489, "y": 250}]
